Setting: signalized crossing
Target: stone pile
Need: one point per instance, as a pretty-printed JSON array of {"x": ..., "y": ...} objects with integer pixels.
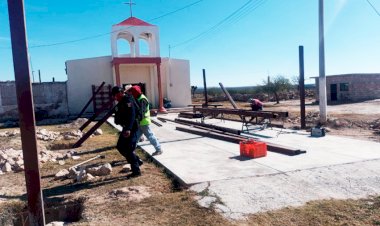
[
  {"x": 13, "y": 161},
  {"x": 45, "y": 135},
  {"x": 375, "y": 125},
  {"x": 72, "y": 135},
  {"x": 74, "y": 124},
  {"x": 9, "y": 133},
  {"x": 82, "y": 174}
]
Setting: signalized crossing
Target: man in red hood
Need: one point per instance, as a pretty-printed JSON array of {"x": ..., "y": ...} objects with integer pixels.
[
  {"x": 256, "y": 105},
  {"x": 144, "y": 118}
]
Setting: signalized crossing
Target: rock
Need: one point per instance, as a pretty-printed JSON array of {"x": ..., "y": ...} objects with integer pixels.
[
  {"x": 98, "y": 132},
  {"x": 56, "y": 223},
  {"x": 18, "y": 168},
  {"x": 3, "y": 156},
  {"x": 4, "y": 134},
  {"x": 73, "y": 174},
  {"x": 75, "y": 157},
  {"x": 7, "y": 167},
  {"x": 102, "y": 170},
  {"x": 105, "y": 169},
  {"x": 89, "y": 177},
  {"x": 126, "y": 168},
  {"x": 327, "y": 129},
  {"x": 62, "y": 173},
  {"x": 61, "y": 162}
]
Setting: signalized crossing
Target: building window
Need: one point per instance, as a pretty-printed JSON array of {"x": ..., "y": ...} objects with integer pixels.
[{"x": 343, "y": 86}]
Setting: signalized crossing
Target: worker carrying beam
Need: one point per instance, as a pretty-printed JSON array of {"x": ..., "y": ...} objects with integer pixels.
[
  {"x": 256, "y": 104},
  {"x": 125, "y": 115}
]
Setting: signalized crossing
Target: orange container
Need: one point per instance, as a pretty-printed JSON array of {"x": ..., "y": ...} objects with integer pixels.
[{"x": 253, "y": 149}]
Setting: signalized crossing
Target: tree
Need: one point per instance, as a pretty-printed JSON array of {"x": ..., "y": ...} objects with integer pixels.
[
  {"x": 193, "y": 88},
  {"x": 279, "y": 84}
]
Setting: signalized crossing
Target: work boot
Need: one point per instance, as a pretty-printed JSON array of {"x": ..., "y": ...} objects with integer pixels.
[
  {"x": 134, "y": 174},
  {"x": 158, "y": 152}
]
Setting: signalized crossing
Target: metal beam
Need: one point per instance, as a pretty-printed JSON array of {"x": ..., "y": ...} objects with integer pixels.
[
  {"x": 220, "y": 128},
  {"x": 237, "y": 138},
  {"x": 95, "y": 127},
  {"x": 91, "y": 99},
  {"x": 240, "y": 112},
  {"x": 26, "y": 112},
  {"x": 228, "y": 96}
]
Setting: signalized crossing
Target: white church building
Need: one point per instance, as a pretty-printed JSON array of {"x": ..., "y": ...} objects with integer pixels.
[{"x": 135, "y": 59}]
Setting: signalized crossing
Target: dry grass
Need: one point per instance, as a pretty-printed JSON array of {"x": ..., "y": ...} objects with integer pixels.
[
  {"x": 329, "y": 212},
  {"x": 168, "y": 204}
]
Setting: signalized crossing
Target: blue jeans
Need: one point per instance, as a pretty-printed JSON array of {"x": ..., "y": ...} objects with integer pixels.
[{"x": 149, "y": 134}]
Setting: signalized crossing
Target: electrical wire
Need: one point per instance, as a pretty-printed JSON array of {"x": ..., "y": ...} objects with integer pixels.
[
  {"x": 373, "y": 7},
  {"x": 233, "y": 17},
  {"x": 107, "y": 33}
]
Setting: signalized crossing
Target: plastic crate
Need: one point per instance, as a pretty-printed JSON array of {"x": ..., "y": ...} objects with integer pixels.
[{"x": 253, "y": 149}]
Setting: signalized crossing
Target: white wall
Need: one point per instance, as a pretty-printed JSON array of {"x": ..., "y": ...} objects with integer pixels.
[
  {"x": 136, "y": 73},
  {"x": 176, "y": 74},
  {"x": 81, "y": 75}
]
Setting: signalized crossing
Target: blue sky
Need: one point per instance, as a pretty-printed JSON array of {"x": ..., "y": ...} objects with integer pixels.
[{"x": 237, "y": 48}]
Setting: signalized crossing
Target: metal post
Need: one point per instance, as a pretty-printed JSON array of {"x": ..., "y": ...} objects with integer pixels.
[
  {"x": 26, "y": 112},
  {"x": 322, "y": 75},
  {"x": 39, "y": 75},
  {"x": 205, "y": 86},
  {"x": 161, "y": 108},
  {"x": 302, "y": 88}
]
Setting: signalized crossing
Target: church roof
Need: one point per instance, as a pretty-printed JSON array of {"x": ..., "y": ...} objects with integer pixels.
[{"x": 133, "y": 21}]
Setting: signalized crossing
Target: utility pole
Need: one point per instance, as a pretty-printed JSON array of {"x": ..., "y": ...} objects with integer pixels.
[
  {"x": 322, "y": 75},
  {"x": 302, "y": 87}
]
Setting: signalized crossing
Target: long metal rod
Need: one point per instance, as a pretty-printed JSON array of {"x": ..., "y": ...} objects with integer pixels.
[
  {"x": 205, "y": 87},
  {"x": 237, "y": 138},
  {"x": 26, "y": 112},
  {"x": 228, "y": 96},
  {"x": 90, "y": 100},
  {"x": 220, "y": 128},
  {"x": 302, "y": 88}
]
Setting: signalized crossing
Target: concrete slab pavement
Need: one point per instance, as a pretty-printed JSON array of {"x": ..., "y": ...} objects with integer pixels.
[{"x": 333, "y": 167}]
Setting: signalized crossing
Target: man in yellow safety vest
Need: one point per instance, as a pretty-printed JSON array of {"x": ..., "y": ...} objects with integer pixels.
[{"x": 144, "y": 118}]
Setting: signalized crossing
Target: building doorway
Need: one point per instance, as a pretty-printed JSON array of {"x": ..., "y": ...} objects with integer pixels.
[{"x": 333, "y": 92}]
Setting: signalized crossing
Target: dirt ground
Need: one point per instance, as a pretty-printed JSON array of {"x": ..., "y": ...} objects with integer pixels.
[{"x": 155, "y": 199}]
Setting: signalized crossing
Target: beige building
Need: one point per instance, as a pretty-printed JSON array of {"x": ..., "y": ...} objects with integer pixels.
[
  {"x": 135, "y": 59},
  {"x": 351, "y": 87}
]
